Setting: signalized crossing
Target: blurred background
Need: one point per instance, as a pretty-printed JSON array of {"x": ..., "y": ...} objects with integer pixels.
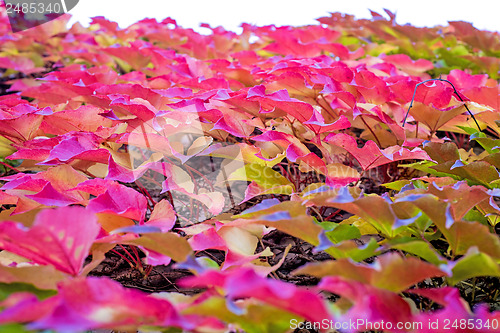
[{"x": 484, "y": 14}]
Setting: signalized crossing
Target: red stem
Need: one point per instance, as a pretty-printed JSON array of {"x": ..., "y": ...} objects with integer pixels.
[
  {"x": 332, "y": 214},
  {"x": 137, "y": 264},
  {"x": 136, "y": 253},
  {"x": 9, "y": 166},
  {"x": 123, "y": 257},
  {"x": 370, "y": 129}
]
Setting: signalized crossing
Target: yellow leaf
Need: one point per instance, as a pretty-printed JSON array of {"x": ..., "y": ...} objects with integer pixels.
[
  {"x": 26, "y": 219},
  {"x": 5, "y": 148},
  {"x": 110, "y": 222}
]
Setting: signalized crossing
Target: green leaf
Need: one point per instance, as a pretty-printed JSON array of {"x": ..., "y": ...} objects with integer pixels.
[
  {"x": 397, "y": 185},
  {"x": 471, "y": 131},
  {"x": 419, "y": 248},
  {"x": 475, "y": 215},
  {"x": 207, "y": 263},
  {"x": 264, "y": 176},
  {"x": 343, "y": 232},
  {"x": 426, "y": 166},
  {"x": 473, "y": 264},
  {"x": 391, "y": 271},
  {"x": 13, "y": 328},
  {"x": 9, "y": 288},
  {"x": 349, "y": 249},
  {"x": 488, "y": 144},
  {"x": 461, "y": 235},
  {"x": 479, "y": 172},
  {"x": 257, "y": 317},
  {"x": 327, "y": 225}
]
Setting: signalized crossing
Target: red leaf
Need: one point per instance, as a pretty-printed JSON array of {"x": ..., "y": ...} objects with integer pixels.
[
  {"x": 372, "y": 87},
  {"x": 454, "y": 308},
  {"x": 410, "y": 66},
  {"x": 120, "y": 200},
  {"x": 370, "y": 156},
  {"x": 48, "y": 196},
  {"x": 22, "y": 64},
  {"x": 317, "y": 123},
  {"x": 60, "y": 237},
  {"x": 462, "y": 80},
  {"x": 86, "y": 118},
  {"x": 244, "y": 283},
  {"x": 371, "y": 304},
  {"x": 207, "y": 239},
  {"x": 21, "y": 129},
  {"x": 74, "y": 144},
  {"x": 281, "y": 100},
  {"x": 92, "y": 303},
  {"x": 138, "y": 107},
  {"x": 163, "y": 216}
]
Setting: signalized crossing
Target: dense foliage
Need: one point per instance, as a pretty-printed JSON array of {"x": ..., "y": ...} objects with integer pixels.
[{"x": 154, "y": 177}]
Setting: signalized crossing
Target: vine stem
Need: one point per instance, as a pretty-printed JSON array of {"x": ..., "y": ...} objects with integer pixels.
[
  {"x": 373, "y": 133},
  {"x": 454, "y": 90},
  {"x": 6, "y": 165},
  {"x": 123, "y": 257},
  {"x": 328, "y": 107}
]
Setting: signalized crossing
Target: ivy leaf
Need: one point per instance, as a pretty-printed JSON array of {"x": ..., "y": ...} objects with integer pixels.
[
  {"x": 343, "y": 232},
  {"x": 434, "y": 118},
  {"x": 8, "y": 289},
  {"x": 53, "y": 240},
  {"x": 370, "y": 156},
  {"x": 419, "y": 248},
  {"x": 244, "y": 282},
  {"x": 94, "y": 303},
  {"x": 41, "y": 277},
  {"x": 258, "y": 317},
  {"x": 268, "y": 180},
  {"x": 168, "y": 244},
  {"x": 351, "y": 249},
  {"x": 120, "y": 200},
  {"x": 473, "y": 264},
  {"x": 369, "y": 304},
  {"x": 390, "y": 271}
]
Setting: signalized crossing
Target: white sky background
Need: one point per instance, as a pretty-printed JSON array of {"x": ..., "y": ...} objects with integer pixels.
[{"x": 484, "y": 14}]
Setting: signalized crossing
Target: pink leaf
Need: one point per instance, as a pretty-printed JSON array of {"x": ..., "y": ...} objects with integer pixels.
[
  {"x": 281, "y": 100},
  {"x": 455, "y": 308},
  {"x": 370, "y": 156},
  {"x": 163, "y": 216},
  {"x": 207, "y": 239},
  {"x": 410, "y": 66},
  {"x": 123, "y": 174},
  {"x": 60, "y": 237},
  {"x": 317, "y": 123},
  {"x": 371, "y": 304},
  {"x": 72, "y": 146},
  {"x": 245, "y": 283},
  {"x": 93, "y": 303},
  {"x": 120, "y": 200},
  {"x": 48, "y": 196}
]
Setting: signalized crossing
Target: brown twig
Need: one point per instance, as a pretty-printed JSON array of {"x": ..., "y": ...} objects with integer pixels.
[{"x": 454, "y": 90}]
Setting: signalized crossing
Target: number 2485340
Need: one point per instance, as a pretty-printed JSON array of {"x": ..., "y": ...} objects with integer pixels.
[{"x": 34, "y": 8}]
